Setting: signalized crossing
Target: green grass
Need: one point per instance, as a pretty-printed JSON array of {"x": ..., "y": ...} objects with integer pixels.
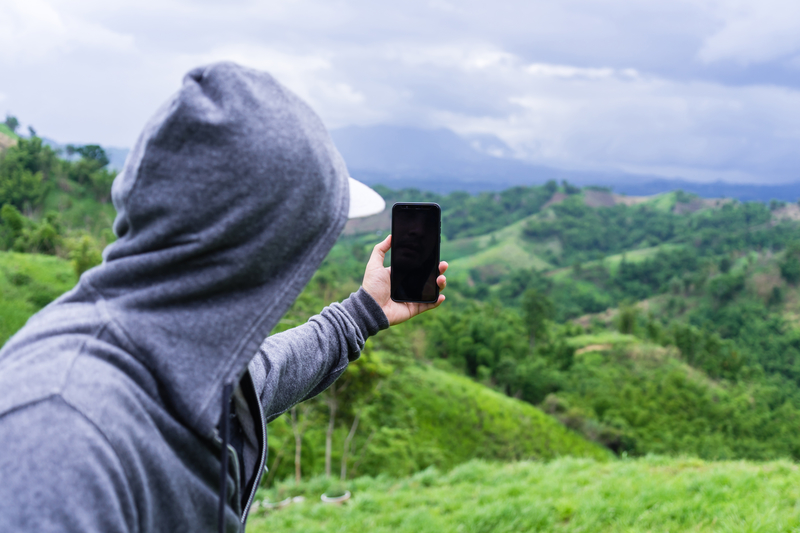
[
  {"x": 467, "y": 420},
  {"x": 5, "y": 130},
  {"x": 663, "y": 202},
  {"x": 28, "y": 282},
  {"x": 565, "y": 495},
  {"x": 502, "y": 250},
  {"x": 426, "y": 417},
  {"x": 78, "y": 210},
  {"x": 612, "y": 262},
  {"x": 613, "y": 338}
]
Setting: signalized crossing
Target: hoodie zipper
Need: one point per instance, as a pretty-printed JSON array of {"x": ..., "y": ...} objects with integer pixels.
[{"x": 261, "y": 462}]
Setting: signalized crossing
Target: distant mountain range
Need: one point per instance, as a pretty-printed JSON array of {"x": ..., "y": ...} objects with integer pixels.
[{"x": 441, "y": 161}]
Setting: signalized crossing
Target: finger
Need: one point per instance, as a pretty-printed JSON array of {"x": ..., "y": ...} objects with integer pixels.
[
  {"x": 441, "y": 281},
  {"x": 379, "y": 253},
  {"x": 428, "y": 307},
  {"x": 443, "y": 267}
]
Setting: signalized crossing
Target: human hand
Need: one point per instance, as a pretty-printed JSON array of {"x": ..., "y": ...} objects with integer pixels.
[{"x": 377, "y": 283}]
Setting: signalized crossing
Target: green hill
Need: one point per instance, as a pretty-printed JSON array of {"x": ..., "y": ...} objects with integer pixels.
[
  {"x": 494, "y": 255},
  {"x": 6, "y": 131},
  {"x": 423, "y": 417},
  {"x": 640, "y": 397},
  {"x": 28, "y": 282},
  {"x": 578, "y": 495}
]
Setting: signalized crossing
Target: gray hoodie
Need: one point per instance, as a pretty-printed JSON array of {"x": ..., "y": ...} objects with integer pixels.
[{"x": 110, "y": 397}]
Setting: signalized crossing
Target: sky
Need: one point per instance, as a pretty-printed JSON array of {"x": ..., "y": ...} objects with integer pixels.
[{"x": 702, "y": 90}]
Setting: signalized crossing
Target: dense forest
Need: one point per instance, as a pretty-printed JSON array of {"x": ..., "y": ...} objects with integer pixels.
[{"x": 578, "y": 322}]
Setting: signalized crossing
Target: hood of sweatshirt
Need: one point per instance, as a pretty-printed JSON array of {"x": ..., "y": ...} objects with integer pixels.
[{"x": 230, "y": 200}]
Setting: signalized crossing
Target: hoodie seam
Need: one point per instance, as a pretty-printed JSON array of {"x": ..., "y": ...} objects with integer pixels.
[
  {"x": 108, "y": 319},
  {"x": 256, "y": 323},
  {"x": 110, "y": 445},
  {"x": 60, "y": 396}
]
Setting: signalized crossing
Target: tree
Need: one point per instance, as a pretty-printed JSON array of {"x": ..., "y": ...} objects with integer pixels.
[
  {"x": 23, "y": 173},
  {"x": 93, "y": 152},
  {"x": 11, "y": 225},
  {"x": 536, "y": 308},
  {"x": 85, "y": 254},
  {"x": 790, "y": 266},
  {"x": 627, "y": 319},
  {"x": 12, "y": 123},
  {"x": 298, "y": 428},
  {"x": 790, "y": 269},
  {"x": 570, "y": 188},
  {"x": 359, "y": 382}
]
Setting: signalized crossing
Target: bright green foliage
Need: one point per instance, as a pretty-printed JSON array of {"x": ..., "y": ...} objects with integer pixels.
[
  {"x": 22, "y": 234},
  {"x": 10, "y": 125},
  {"x": 24, "y": 173},
  {"x": 536, "y": 308},
  {"x": 790, "y": 266},
  {"x": 587, "y": 233},
  {"x": 85, "y": 254},
  {"x": 423, "y": 417},
  {"x": 477, "y": 335},
  {"x": 28, "y": 282},
  {"x": 706, "y": 350},
  {"x": 658, "y": 404},
  {"x": 565, "y": 495},
  {"x": 90, "y": 170},
  {"x": 62, "y": 201},
  {"x": 725, "y": 287}
]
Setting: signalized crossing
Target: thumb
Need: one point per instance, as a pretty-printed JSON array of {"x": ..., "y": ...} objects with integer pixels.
[{"x": 379, "y": 253}]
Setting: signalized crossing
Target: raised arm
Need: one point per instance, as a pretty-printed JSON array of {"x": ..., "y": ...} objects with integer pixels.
[{"x": 302, "y": 362}]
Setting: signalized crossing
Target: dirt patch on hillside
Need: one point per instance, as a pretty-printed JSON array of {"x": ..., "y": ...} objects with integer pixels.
[
  {"x": 6, "y": 141},
  {"x": 609, "y": 199},
  {"x": 599, "y": 199},
  {"x": 630, "y": 200},
  {"x": 379, "y": 223},
  {"x": 557, "y": 198},
  {"x": 594, "y": 348},
  {"x": 687, "y": 208},
  {"x": 606, "y": 317},
  {"x": 696, "y": 204},
  {"x": 765, "y": 282},
  {"x": 787, "y": 212}
]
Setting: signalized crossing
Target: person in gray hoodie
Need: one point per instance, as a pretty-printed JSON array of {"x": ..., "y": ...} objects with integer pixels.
[{"x": 138, "y": 401}]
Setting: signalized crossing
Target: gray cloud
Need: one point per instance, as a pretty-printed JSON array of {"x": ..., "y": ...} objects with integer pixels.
[{"x": 701, "y": 89}]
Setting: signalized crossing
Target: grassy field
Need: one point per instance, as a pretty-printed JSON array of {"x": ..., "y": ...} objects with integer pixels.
[
  {"x": 80, "y": 212},
  {"x": 565, "y": 495},
  {"x": 28, "y": 282},
  {"x": 425, "y": 417},
  {"x": 5, "y": 130},
  {"x": 503, "y": 250}
]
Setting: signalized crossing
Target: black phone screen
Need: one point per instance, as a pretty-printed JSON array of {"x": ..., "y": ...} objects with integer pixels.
[{"x": 415, "y": 252}]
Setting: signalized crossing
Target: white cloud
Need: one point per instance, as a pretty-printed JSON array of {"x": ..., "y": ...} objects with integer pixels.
[
  {"x": 754, "y": 31},
  {"x": 607, "y": 119},
  {"x": 576, "y": 83},
  {"x": 33, "y": 30},
  {"x": 566, "y": 71}
]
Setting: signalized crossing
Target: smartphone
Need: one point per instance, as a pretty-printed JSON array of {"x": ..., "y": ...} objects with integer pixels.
[{"x": 416, "y": 238}]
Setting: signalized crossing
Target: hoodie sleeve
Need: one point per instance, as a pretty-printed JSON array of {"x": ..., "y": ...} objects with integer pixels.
[{"x": 299, "y": 363}]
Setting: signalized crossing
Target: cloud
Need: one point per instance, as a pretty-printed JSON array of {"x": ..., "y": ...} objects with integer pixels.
[
  {"x": 33, "y": 30},
  {"x": 754, "y": 32},
  {"x": 677, "y": 86}
]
